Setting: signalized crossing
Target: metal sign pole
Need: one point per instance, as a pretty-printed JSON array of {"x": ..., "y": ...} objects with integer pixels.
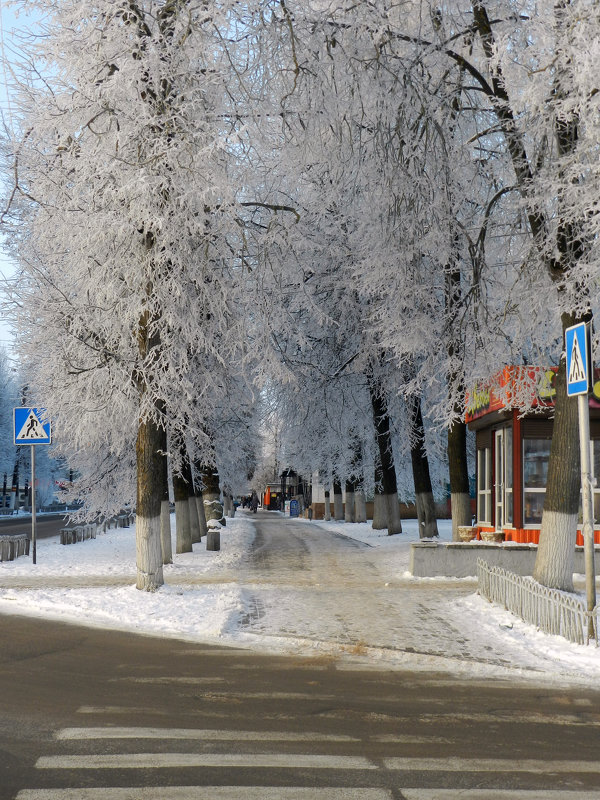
[
  {"x": 587, "y": 502},
  {"x": 579, "y": 378},
  {"x": 33, "y": 532}
]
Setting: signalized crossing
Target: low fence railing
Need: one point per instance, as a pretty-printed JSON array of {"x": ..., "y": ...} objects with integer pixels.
[
  {"x": 81, "y": 533},
  {"x": 550, "y": 610},
  {"x": 12, "y": 547}
]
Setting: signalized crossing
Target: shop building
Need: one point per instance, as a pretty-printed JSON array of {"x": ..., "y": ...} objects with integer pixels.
[{"x": 513, "y": 452}]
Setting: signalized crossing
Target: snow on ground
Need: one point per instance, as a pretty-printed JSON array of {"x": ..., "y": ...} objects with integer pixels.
[{"x": 93, "y": 582}]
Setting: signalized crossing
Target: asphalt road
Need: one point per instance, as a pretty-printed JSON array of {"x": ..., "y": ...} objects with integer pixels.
[
  {"x": 99, "y": 715},
  {"x": 46, "y": 525}
]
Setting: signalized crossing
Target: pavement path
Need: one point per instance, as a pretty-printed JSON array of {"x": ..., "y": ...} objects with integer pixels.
[
  {"x": 305, "y": 589},
  {"x": 341, "y": 591}
]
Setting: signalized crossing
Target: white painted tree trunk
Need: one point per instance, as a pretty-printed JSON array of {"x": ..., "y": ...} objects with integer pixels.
[
  {"x": 459, "y": 478},
  {"x": 150, "y": 490},
  {"x": 201, "y": 515},
  {"x": 426, "y": 515},
  {"x": 552, "y": 568},
  {"x": 182, "y": 526},
  {"x": 165, "y": 532},
  {"x": 338, "y": 506},
  {"x": 393, "y": 514},
  {"x": 228, "y": 508},
  {"x": 349, "y": 507},
  {"x": 380, "y": 512},
  {"x": 360, "y": 506},
  {"x": 327, "y": 512},
  {"x": 194, "y": 521},
  {"x": 461, "y": 512},
  {"x": 149, "y": 483},
  {"x": 148, "y": 553},
  {"x": 165, "y": 509},
  {"x": 212, "y": 506},
  {"x": 556, "y": 551}
]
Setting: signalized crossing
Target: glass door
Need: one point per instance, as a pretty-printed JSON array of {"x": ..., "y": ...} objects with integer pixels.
[{"x": 499, "y": 479}]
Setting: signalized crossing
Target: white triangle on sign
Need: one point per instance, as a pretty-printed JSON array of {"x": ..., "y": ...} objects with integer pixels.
[
  {"x": 32, "y": 429},
  {"x": 577, "y": 372}
]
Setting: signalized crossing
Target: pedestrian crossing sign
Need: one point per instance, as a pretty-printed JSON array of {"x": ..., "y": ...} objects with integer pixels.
[
  {"x": 579, "y": 370},
  {"x": 32, "y": 426}
]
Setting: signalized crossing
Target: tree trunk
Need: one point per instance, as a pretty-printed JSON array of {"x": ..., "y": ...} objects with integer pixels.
[
  {"x": 380, "y": 515},
  {"x": 556, "y": 550},
  {"x": 149, "y": 497},
  {"x": 458, "y": 468},
  {"x": 165, "y": 509},
  {"x": 389, "y": 484},
  {"x": 186, "y": 472},
  {"x": 420, "y": 466},
  {"x": 200, "y": 510},
  {"x": 149, "y": 465},
  {"x": 349, "y": 507},
  {"x": 211, "y": 494},
  {"x": 338, "y": 503},
  {"x": 459, "y": 477},
  {"x": 228, "y": 507},
  {"x": 327, "y": 512},
  {"x": 197, "y": 476},
  {"x": 195, "y": 531},
  {"x": 183, "y": 536},
  {"x": 554, "y": 562},
  {"x": 360, "y": 505}
]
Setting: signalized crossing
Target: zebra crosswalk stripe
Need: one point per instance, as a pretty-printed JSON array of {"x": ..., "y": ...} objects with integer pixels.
[
  {"x": 194, "y": 734},
  {"x": 295, "y": 793},
  {"x": 182, "y": 760},
  {"x": 499, "y": 794},
  {"x": 208, "y": 793},
  {"x": 531, "y": 765},
  {"x": 290, "y": 761}
]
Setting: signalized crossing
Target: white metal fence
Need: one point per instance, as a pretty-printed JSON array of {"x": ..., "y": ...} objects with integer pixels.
[{"x": 550, "y": 610}]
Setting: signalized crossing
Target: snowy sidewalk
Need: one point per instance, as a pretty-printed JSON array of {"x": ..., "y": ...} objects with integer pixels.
[{"x": 281, "y": 585}]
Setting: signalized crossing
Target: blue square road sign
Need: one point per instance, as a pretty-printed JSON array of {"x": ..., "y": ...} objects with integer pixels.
[
  {"x": 32, "y": 426},
  {"x": 579, "y": 362}
]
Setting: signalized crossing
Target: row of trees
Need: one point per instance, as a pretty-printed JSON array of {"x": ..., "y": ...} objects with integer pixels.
[{"x": 350, "y": 210}]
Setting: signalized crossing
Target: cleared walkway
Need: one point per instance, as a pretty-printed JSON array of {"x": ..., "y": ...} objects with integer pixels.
[{"x": 342, "y": 591}]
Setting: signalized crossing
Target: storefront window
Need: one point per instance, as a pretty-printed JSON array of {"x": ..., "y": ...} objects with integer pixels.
[
  {"x": 536, "y": 453},
  {"x": 484, "y": 485},
  {"x": 508, "y": 484}
]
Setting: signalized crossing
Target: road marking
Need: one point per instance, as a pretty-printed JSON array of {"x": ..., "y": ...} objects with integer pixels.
[
  {"x": 204, "y": 735},
  {"x": 128, "y": 710},
  {"x": 490, "y": 765},
  {"x": 500, "y": 717},
  {"x": 407, "y": 738},
  {"x": 499, "y": 794},
  {"x": 225, "y": 695},
  {"x": 165, "y": 680},
  {"x": 182, "y": 760},
  {"x": 208, "y": 793}
]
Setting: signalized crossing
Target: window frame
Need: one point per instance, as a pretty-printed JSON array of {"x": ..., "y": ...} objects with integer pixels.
[{"x": 484, "y": 484}]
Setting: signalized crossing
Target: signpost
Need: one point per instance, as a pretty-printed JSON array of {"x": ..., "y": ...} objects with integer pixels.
[
  {"x": 32, "y": 427},
  {"x": 579, "y": 379}
]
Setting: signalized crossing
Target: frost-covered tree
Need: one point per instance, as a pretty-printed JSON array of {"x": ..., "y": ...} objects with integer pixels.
[{"x": 127, "y": 157}]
